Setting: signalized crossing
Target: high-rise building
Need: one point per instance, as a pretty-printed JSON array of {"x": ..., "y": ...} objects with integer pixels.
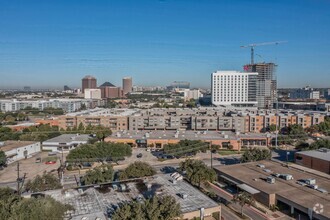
[
  {"x": 127, "y": 85},
  {"x": 66, "y": 88},
  {"x": 88, "y": 82},
  {"x": 108, "y": 90},
  {"x": 234, "y": 88},
  {"x": 266, "y": 83}
]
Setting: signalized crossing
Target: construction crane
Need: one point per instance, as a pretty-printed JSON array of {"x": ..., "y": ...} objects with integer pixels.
[{"x": 252, "y": 46}]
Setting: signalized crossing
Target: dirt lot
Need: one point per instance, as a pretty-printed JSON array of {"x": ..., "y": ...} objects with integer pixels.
[{"x": 30, "y": 167}]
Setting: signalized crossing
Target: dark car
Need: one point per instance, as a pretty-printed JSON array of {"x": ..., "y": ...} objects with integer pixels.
[{"x": 139, "y": 155}]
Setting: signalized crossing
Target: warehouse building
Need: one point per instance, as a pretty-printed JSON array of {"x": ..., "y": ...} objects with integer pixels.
[{"x": 17, "y": 150}]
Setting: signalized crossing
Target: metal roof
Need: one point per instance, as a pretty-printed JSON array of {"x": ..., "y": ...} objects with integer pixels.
[{"x": 248, "y": 189}]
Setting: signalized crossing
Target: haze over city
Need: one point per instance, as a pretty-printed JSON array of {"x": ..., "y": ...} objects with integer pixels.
[{"x": 48, "y": 44}]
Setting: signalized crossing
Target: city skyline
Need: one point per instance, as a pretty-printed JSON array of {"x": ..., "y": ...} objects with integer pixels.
[{"x": 157, "y": 42}]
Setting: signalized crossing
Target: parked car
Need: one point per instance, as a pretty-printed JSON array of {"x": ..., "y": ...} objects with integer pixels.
[
  {"x": 139, "y": 155},
  {"x": 38, "y": 160},
  {"x": 50, "y": 162}
]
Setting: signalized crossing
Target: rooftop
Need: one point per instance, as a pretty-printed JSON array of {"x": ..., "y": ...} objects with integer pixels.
[
  {"x": 323, "y": 154},
  {"x": 189, "y": 134},
  {"x": 66, "y": 138},
  {"x": 104, "y": 112},
  {"x": 10, "y": 145},
  {"x": 253, "y": 176},
  {"x": 93, "y": 202}
]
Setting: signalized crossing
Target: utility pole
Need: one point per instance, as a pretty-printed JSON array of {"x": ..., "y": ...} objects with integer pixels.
[{"x": 18, "y": 179}]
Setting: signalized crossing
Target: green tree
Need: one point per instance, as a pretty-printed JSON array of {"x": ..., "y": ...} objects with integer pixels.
[
  {"x": 272, "y": 127},
  {"x": 3, "y": 158},
  {"x": 8, "y": 199},
  {"x": 39, "y": 208},
  {"x": 100, "y": 151},
  {"x": 256, "y": 154},
  {"x": 136, "y": 170},
  {"x": 101, "y": 174},
  {"x": 155, "y": 208},
  {"x": 197, "y": 172},
  {"x": 102, "y": 132},
  {"x": 42, "y": 183},
  {"x": 243, "y": 198}
]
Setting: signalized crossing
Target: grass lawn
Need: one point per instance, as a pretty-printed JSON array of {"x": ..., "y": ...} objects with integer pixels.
[
  {"x": 47, "y": 159},
  {"x": 229, "y": 152}
]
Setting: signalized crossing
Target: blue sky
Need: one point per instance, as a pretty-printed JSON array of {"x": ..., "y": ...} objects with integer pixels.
[{"x": 50, "y": 43}]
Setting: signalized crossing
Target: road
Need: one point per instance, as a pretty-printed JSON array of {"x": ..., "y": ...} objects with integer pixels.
[{"x": 249, "y": 211}]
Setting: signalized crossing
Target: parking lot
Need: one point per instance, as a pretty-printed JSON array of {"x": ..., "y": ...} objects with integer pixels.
[{"x": 30, "y": 167}]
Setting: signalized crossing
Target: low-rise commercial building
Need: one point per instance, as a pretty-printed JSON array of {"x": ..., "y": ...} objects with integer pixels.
[
  {"x": 65, "y": 142},
  {"x": 158, "y": 139},
  {"x": 284, "y": 191},
  {"x": 17, "y": 150},
  {"x": 314, "y": 159},
  {"x": 92, "y": 93}
]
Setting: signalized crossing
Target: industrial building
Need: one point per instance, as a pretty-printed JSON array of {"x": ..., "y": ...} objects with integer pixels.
[
  {"x": 314, "y": 159},
  {"x": 293, "y": 190},
  {"x": 17, "y": 150}
]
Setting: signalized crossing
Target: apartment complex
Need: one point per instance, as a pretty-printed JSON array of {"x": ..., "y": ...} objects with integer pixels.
[
  {"x": 68, "y": 105},
  {"x": 242, "y": 121},
  {"x": 266, "y": 83},
  {"x": 234, "y": 88}
]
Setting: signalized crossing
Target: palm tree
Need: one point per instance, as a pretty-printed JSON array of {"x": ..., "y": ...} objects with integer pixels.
[{"x": 243, "y": 198}]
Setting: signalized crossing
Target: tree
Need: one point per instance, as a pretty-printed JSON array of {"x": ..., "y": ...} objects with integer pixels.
[
  {"x": 14, "y": 207},
  {"x": 42, "y": 183},
  {"x": 100, "y": 151},
  {"x": 272, "y": 128},
  {"x": 296, "y": 131},
  {"x": 256, "y": 154},
  {"x": 185, "y": 147},
  {"x": 136, "y": 170},
  {"x": 197, "y": 172},
  {"x": 157, "y": 207},
  {"x": 243, "y": 198},
  {"x": 3, "y": 158},
  {"x": 102, "y": 132},
  {"x": 101, "y": 174}
]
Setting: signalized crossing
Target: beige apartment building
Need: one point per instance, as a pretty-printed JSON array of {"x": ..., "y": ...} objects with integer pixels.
[{"x": 189, "y": 119}]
